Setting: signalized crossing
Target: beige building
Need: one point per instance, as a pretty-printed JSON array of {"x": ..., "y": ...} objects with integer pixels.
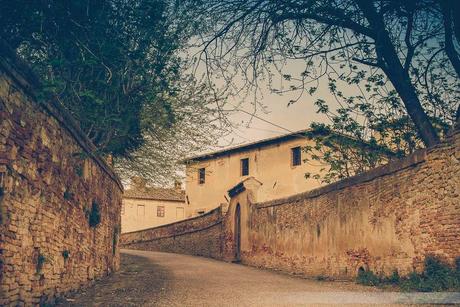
[
  {"x": 145, "y": 207},
  {"x": 277, "y": 163}
]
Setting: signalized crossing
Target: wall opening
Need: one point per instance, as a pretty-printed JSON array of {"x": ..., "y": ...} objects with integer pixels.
[{"x": 237, "y": 233}]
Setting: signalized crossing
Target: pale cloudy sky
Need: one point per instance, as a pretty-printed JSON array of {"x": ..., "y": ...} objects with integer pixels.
[
  {"x": 284, "y": 118},
  {"x": 295, "y": 117}
]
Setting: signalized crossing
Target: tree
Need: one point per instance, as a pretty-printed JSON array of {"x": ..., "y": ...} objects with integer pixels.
[
  {"x": 116, "y": 66},
  {"x": 196, "y": 127},
  {"x": 103, "y": 60},
  {"x": 384, "y": 62}
]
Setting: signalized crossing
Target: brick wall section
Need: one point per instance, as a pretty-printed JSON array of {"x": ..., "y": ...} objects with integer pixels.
[
  {"x": 49, "y": 179},
  {"x": 199, "y": 236},
  {"x": 387, "y": 219}
]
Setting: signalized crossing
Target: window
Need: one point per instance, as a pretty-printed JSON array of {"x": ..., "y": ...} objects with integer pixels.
[
  {"x": 201, "y": 175},
  {"x": 296, "y": 156},
  {"x": 140, "y": 210},
  {"x": 244, "y": 167},
  {"x": 160, "y": 211}
]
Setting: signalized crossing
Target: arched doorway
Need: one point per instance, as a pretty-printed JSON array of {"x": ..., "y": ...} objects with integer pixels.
[{"x": 237, "y": 233}]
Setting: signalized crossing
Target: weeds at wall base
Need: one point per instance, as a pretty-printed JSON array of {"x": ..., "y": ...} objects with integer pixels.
[
  {"x": 437, "y": 276},
  {"x": 41, "y": 259},
  {"x": 65, "y": 254}
]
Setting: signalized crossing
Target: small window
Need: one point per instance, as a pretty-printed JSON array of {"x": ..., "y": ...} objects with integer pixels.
[
  {"x": 160, "y": 211},
  {"x": 201, "y": 175},
  {"x": 245, "y": 167},
  {"x": 123, "y": 209},
  {"x": 296, "y": 156},
  {"x": 140, "y": 210}
]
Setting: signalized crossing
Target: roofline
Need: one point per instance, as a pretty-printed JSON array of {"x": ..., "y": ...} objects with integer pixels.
[
  {"x": 248, "y": 146},
  {"x": 153, "y": 198}
]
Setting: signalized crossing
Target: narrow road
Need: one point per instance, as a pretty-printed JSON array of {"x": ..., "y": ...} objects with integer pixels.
[{"x": 163, "y": 279}]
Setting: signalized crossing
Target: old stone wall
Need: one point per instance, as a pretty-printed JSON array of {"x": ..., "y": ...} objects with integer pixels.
[
  {"x": 387, "y": 219},
  {"x": 51, "y": 186},
  {"x": 199, "y": 236}
]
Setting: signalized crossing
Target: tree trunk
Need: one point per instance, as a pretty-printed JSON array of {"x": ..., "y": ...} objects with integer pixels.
[
  {"x": 447, "y": 12},
  {"x": 397, "y": 75}
]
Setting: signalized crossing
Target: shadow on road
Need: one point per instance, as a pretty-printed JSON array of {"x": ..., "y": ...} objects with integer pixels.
[{"x": 139, "y": 282}]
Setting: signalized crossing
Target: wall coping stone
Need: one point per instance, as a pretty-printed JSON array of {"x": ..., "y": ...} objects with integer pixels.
[
  {"x": 19, "y": 71},
  {"x": 175, "y": 235},
  {"x": 176, "y": 223},
  {"x": 412, "y": 160}
]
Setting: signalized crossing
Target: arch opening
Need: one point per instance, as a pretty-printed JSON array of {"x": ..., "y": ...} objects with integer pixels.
[{"x": 237, "y": 232}]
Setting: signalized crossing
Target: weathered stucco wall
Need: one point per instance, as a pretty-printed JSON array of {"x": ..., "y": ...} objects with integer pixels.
[
  {"x": 200, "y": 236},
  {"x": 139, "y": 214},
  {"x": 271, "y": 165},
  {"x": 384, "y": 220},
  {"x": 49, "y": 180}
]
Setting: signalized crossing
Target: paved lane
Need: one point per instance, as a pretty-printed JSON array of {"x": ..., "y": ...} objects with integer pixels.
[{"x": 162, "y": 279}]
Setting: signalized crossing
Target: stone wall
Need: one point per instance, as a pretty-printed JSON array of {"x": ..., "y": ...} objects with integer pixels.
[
  {"x": 199, "y": 236},
  {"x": 387, "y": 219},
  {"x": 50, "y": 180}
]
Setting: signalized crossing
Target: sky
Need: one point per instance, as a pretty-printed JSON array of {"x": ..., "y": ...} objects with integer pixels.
[{"x": 276, "y": 117}]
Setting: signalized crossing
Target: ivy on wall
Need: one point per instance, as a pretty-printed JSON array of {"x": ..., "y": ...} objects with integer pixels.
[{"x": 94, "y": 215}]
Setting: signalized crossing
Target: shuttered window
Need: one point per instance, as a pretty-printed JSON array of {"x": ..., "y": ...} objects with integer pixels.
[
  {"x": 245, "y": 167},
  {"x": 296, "y": 156},
  {"x": 160, "y": 211},
  {"x": 201, "y": 175}
]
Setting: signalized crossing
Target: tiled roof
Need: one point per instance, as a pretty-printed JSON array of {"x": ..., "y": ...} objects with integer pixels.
[
  {"x": 156, "y": 194},
  {"x": 249, "y": 146},
  {"x": 301, "y": 134}
]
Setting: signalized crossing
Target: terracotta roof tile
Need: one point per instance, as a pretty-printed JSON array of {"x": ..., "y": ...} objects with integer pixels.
[{"x": 156, "y": 194}]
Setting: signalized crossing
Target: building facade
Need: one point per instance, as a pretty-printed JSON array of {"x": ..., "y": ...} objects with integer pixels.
[
  {"x": 277, "y": 163},
  {"x": 146, "y": 207}
]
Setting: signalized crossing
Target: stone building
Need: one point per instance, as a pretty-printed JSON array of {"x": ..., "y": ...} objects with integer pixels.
[
  {"x": 146, "y": 207},
  {"x": 277, "y": 163}
]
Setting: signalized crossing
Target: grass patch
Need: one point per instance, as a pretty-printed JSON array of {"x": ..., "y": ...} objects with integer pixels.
[
  {"x": 437, "y": 276},
  {"x": 367, "y": 278}
]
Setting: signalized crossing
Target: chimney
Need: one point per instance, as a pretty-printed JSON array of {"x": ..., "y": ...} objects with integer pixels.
[{"x": 177, "y": 185}]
